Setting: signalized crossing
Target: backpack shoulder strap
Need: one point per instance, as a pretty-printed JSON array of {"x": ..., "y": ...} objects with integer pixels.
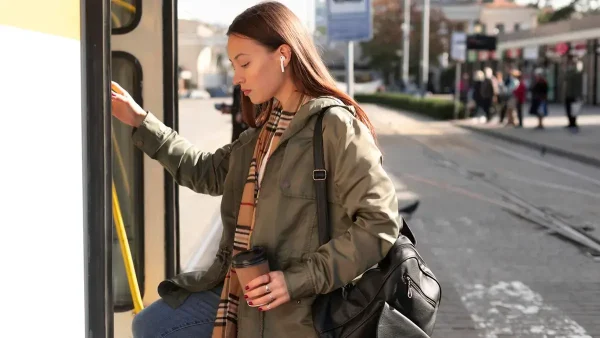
[
  {"x": 320, "y": 177},
  {"x": 320, "y": 181}
]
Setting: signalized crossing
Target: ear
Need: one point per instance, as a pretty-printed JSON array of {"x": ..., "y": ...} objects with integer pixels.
[{"x": 285, "y": 51}]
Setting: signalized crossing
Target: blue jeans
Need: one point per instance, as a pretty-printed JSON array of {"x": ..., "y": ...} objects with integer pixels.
[{"x": 194, "y": 318}]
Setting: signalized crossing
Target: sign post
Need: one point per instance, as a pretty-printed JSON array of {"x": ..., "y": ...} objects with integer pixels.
[
  {"x": 406, "y": 43},
  {"x": 457, "y": 90},
  {"x": 425, "y": 48},
  {"x": 349, "y": 21},
  {"x": 459, "y": 54}
]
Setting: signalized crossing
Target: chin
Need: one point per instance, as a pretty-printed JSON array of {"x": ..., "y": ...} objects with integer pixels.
[{"x": 259, "y": 100}]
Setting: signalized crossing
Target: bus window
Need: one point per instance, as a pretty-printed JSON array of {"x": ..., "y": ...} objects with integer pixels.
[
  {"x": 125, "y": 15},
  {"x": 127, "y": 174}
]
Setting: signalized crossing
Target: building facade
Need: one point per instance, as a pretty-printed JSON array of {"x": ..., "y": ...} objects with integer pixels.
[
  {"x": 550, "y": 45},
  {"x": 202, "y": 55}
]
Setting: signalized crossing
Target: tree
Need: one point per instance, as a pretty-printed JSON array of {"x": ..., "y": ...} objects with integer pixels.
[
  {"x": 563, "y": 13},
  {"x": 388, "y": 18},
  {"x": 574, "y": 9}
]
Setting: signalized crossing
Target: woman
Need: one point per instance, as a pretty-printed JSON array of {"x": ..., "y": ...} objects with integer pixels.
[
  {"x": 266, "y": 181},
  {"x": 507, "y": 88},
  {"x": 463, "y": 89},
  {"x": 539, "y": 96},
  {"x": 237, "y": 124},
  {"x": 476, "y": 92},
  {"x": 519, "y": 93},
  {"x": 489, "y": 91},
  {"x": 573, "y": 92}
]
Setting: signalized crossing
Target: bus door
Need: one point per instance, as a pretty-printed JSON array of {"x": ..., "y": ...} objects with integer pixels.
[{"x": 143, "y": 62}]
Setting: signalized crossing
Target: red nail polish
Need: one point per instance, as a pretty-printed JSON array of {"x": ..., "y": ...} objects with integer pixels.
[
  {"x": 247, "y": 288},
  {"x": 249, "y": 303},
  {"x": 260, "y": 309},
  {"x": 245, "y": 296}
]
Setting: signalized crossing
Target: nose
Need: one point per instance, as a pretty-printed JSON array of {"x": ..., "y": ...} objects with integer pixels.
[{"x": 237, "y": 78}]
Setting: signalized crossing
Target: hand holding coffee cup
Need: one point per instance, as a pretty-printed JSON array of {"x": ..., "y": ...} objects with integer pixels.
[
  {"x": 267, "y": 291},
  {"x": 262, "y": 288}
]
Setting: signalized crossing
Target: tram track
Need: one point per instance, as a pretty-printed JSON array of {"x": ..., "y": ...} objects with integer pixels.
[{"x": 517, "y": 205}]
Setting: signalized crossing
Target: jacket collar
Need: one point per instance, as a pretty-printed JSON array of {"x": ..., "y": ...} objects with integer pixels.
[{"x": 307, "y": 111}]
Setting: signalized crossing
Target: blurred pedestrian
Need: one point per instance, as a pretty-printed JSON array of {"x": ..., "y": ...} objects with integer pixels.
[
  {"x": 488, "y": 93},
  {"x": 519, "y": 94},
  {"x": 539, "y": 97},
  {"x": 476, "y": 92},
  {"x": 237, "y": 124},
  {"x": 573, "y": 93}
]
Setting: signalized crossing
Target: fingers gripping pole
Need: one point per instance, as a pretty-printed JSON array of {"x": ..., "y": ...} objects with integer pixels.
[{"x": 127, "y": 259}]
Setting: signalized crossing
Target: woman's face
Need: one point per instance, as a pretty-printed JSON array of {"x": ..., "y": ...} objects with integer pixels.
[{"x": 256, "y": 69}]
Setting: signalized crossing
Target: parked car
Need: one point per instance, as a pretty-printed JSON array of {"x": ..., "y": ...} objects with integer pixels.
[{"x": 194, "y": 94}]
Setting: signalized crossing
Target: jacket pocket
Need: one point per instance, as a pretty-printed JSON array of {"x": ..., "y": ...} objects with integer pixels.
[
  {"x": 295, "y": 178},
  {"x": 292, "y": 319}
]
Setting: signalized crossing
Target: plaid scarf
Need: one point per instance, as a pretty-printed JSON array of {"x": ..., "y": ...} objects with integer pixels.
[{"x": 268, "y": 140}]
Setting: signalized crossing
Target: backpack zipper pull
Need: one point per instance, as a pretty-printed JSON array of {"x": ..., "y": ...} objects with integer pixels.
[{"x": 409, "y": 288}]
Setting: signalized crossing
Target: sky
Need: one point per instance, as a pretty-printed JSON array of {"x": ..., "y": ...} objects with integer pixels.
[{"x": 224, "y": 11}]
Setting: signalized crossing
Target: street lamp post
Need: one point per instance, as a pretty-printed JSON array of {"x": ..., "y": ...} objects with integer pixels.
[
  {"x": 425, "y": 46},
  {"x": 400, "y": 64},
  {"x": 406, "y": 42},
  {"x": 350, "y": 69}
]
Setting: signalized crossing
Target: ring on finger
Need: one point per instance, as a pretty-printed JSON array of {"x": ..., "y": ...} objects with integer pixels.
[
  {"x": 271, "y": 298},
  {"x": 267, "y": 288}
]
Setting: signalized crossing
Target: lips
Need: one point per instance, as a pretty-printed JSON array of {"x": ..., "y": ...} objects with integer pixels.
[{"x": 246, "y": 92}]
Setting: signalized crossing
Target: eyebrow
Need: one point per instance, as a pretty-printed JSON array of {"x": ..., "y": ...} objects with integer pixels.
[{"x": 237, "y": 56}]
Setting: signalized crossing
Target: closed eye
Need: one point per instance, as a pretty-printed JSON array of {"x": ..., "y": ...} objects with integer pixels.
[{"x": 245, "y": 65}]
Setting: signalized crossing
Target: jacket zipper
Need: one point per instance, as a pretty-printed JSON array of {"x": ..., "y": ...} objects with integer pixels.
[
  {"x": 260, "y": 187},
  {"x": 411, "y": 285},
  {"x": 261, "y": 315},
  {"x": 419, "y": 260}
]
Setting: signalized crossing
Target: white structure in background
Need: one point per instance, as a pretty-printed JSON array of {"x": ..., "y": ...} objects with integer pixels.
[
  {"x": 203, "y": 55},
  {"x": 494, "y": 16},
  {"x": 333, "y": 53},
  {"x": 490, "y": 17}
]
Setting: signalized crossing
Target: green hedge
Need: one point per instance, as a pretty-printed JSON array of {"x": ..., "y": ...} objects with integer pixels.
[{"x": 440, "y": 109}]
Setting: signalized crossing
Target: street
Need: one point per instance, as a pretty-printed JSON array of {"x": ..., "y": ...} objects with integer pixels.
[{"x": 493, "y": 224}]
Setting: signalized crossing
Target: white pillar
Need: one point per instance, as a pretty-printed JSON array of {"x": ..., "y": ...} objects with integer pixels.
[
  {"x": 350, "y": 69},
  {"x": 406, "y": 44},
  {"x": 425, "y": 45}
]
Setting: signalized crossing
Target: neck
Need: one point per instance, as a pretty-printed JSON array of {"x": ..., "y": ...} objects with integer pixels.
[{"x": 289, "y": 97}]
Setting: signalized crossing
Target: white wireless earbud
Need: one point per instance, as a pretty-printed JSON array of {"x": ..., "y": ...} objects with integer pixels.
[{"x": 282, "y": 58}]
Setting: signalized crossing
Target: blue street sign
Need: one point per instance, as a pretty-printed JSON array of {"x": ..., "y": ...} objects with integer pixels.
[{"x": 349, "y": 20}]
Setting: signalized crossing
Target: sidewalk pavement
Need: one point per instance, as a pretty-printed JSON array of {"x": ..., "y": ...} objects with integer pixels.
[{"x": 555, "y": 139}]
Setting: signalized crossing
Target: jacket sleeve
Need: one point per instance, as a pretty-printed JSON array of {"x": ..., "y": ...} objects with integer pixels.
[
  {"x": 369, "y": 199},
  {"x": 200, "y": 171}
]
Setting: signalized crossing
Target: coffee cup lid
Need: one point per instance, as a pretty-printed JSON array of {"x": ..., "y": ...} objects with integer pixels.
[{"x": 254, "y": 256}]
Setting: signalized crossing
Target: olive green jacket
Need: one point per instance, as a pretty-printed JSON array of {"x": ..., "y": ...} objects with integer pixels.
[{"x": 362, "y": 201}]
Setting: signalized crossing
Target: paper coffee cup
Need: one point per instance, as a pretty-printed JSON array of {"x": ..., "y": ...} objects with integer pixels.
[{"x": 250, "y": 264}]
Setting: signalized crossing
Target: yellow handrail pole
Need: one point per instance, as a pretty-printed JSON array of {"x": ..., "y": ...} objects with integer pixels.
[
  {"x": 122, "y": 234},
  {"x": 120, "y": 161},
  {"x": 115, "y": 19},
  {"x": 127, "y": 259},
  {"x": 127, "y": 6}
]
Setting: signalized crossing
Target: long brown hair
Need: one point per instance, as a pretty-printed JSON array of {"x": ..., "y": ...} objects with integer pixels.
[{"x": 272, "y": 24}]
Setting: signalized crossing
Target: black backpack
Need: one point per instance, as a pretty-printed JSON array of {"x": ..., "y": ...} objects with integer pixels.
[{"x": 399, "y": 297}]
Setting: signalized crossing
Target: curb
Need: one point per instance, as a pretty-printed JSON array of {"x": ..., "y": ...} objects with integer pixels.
[{"x": 536, "y": 146}]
